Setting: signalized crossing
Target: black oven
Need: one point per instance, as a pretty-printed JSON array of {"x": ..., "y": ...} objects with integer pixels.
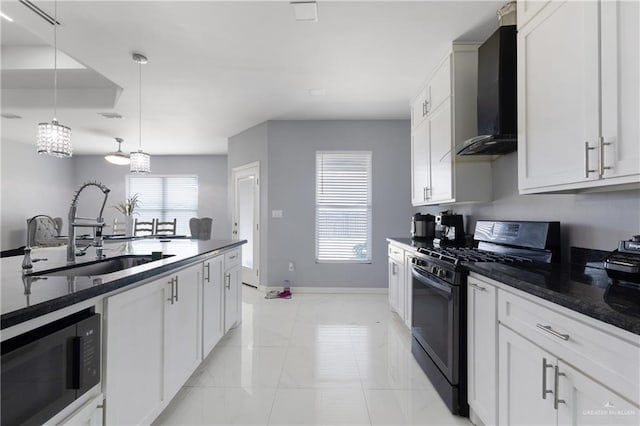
[
  {"x": 439, "y": 340},
  {"x": 46, "y": 369}
]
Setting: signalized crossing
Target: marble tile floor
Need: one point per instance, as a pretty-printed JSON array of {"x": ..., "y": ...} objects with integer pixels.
[{"x": 314, "y": 359}]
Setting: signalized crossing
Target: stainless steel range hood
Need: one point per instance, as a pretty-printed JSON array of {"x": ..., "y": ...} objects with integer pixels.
[{"x": 497, "y": 91}]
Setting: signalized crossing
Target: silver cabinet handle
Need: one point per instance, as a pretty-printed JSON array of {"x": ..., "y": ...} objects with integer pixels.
[
  {"x": 425, "y": 109},
  {"x": 425, "y": 191},
  {"x": 393, "y": 268},
  {"x": 587, "y": 170},
  {"x": 545, "y": 391},
  {"x": 207, "y": 266},
  {"x": 556, "y": 400},
  {"x": 233, "y": 257},
  {"x": 172, "y": 282},
  {"x": 227, "y": 279},
  {"x": 601, "y": 166},
  {"x": 477, "y": 287},
  {"x": 551, "y": 331},
  {"x": 177, "y": 286}
]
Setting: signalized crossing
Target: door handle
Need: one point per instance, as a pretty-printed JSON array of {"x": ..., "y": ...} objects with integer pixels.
[
  {"x": 208, "y": 268},
  {"x": 177, "y": 286},
  {"x": 170, "y": 299},
  {"x": 545, "y": 391},
  {"x": 556, "y": 400},
  {"x": 551, "y": 331},
  {"x": 477, "y": 287},
  {"x": 227, "y": 279},
  {"x": 587, "y": 170},
  {"x": 601, "y": 166}
]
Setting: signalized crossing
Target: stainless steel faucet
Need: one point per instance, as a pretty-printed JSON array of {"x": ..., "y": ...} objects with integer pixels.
[
  {"x": 27, "y": 262},
  {"x": 97, "y": 223}
]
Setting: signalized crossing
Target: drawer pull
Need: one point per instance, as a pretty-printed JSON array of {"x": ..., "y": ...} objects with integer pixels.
[
  {"x": 233, "y": 257},
  {"x": 545, "y": 391},
  {"x": 556, "y": 400},
  {"x": 551, "y": 331},
  {"x": 477, "y": 287}
]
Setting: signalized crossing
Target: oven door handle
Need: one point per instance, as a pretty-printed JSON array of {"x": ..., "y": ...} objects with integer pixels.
[{"x": 428, "y": 281}]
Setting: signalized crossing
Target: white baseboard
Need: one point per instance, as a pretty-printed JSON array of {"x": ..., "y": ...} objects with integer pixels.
[{"x": 329, "y": 290}]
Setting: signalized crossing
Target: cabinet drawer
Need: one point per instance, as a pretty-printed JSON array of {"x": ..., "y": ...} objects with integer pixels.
[
  {"x": 231, "y": 259},
  {"x": 396, "y": 253},
  {"x": 577, "y": 340}
]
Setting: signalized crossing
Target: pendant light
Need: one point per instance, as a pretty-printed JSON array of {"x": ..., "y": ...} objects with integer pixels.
[
  {"x": 118, "y": 157},
  {"x": 53, "y": 138},
  {"x": 140, "y": 161}
]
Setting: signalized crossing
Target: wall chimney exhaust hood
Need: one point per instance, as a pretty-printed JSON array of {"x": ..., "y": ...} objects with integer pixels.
[{"x": 497, "y": 91}]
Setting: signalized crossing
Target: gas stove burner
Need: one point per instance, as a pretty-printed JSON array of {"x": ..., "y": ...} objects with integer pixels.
[{"x": 455, "y": 255}]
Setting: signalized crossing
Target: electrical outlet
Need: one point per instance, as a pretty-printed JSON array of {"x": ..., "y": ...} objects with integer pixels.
[{"x": 291, "y": 267}]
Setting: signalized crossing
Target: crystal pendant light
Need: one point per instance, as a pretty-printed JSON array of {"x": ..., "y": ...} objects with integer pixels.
[
  {"x": 140, "y": 161},
  {"x": 118, "y": 157},
  {"x": 53, "y": 138}
]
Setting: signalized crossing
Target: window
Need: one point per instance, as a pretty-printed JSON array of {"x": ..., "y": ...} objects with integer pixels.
[
  {"x": 166, "y": 197},
  {"x": 343, "y": 206}
]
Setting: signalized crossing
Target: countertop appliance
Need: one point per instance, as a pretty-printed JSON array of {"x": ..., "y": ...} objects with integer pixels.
[
  {"x": 497, "y": 91},
  {"x": 625, "y": 261},
  {"x": 449, "y": 230},
  {"x": 439, "y": 307},
  {"x": 422, "y": 226},
  {"x": 46, "y": 369}
]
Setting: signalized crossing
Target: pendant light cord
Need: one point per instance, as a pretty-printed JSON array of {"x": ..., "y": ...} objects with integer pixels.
[
  {"x": 55, "y": 60},
  {"x": 140, "y": 109}
]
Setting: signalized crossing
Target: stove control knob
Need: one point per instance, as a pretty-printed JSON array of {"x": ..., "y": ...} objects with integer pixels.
[
  {"x": 442, "y": 273},
  {"x": 434, "y": 270}
]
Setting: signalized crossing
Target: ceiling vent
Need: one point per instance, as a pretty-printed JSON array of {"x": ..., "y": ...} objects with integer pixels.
[
  {"x": 41, "y": 13},
  {"x": 113, "y": 115},
  {"x": 10, "y": 116},
  {"x": 305, "y": 10}
]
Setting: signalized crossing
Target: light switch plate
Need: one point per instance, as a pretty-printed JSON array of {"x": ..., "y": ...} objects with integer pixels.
[{"x": 276, "y": 214}]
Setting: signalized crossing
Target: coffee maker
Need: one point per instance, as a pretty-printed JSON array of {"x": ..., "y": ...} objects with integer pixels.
[
  {"x": 422, "y": 226},
  {"x": 449, "y": 230}
]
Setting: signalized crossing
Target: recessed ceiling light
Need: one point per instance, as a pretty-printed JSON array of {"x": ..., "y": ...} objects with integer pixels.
[
  {"x": 113, "y": 115},
  {"x": 10, "y": 115},
  {"x": 305, "y": 10},
  {"x": 316, "y": 92},
  {"x": 5, "y": 16}
]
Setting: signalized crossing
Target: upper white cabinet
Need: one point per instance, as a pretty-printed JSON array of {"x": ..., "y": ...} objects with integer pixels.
[
  {"x": 449, "y": 100},
  {"x": 419, "y": 108},
  {"x": 527, "y": 9},
  {"x": 578, "y": 96}
]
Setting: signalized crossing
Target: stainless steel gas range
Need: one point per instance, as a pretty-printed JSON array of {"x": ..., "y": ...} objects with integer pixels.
[{"x": 439, "y": 282}]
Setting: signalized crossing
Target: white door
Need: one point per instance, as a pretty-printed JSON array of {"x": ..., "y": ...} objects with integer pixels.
[{"x": 246, "y": 218}]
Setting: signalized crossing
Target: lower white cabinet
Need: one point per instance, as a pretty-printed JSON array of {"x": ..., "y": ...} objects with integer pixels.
[
  {"x": 232, "y": 289},
  {"x": 90, "y": 414},
  {"x": 482, "y": 344},
  {"x": 152, "y": 346},
  {"x": 212, "y": 303},
  {"x": 400, "y": 282}
]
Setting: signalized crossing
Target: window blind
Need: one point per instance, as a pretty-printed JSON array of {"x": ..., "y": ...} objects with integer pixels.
[
  {"x": 166, "y": 197},
  {"x": 343, "y": 206}
]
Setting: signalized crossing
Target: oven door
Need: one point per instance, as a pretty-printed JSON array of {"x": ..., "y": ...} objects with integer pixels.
[{"x": 435, "y": 326}]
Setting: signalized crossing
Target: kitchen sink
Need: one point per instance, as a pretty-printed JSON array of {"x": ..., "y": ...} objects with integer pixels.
[{"x": 100, "y": 267}]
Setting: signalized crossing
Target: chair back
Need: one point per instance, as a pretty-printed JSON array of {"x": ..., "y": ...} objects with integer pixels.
[
  {"x": 45, "y": 231},
  {"x": 146, "y": 228},
  {"x": 166, "y": 228},
  {"x": 200, "y": 228}
]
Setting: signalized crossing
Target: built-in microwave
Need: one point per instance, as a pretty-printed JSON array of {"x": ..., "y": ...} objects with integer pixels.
[{"x": 46, "y": 369}]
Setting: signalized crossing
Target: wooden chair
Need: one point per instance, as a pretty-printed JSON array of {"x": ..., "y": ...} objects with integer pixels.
[
  {"x": 144, "y": 227},
  {"x": 166, "y": 228}
]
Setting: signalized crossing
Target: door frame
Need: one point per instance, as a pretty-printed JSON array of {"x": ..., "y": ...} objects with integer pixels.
[{"x": 250, "y": 277}]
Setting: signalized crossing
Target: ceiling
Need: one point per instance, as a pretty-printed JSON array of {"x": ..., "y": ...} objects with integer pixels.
[{"x": 217, "y": 68}]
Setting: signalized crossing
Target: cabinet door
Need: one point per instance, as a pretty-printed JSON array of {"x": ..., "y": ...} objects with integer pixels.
[
  {"x": 420, "y": 177},
  {"x": 134, "y": 354},
  {"x": 212, "y": 307},
  {"x": 394, "y": 285},
  {"x": 620, "y": 88},
  {"x": 558, "y": 96},
  {"x": 527, "y": 9},
  {"x": 587, "y": 402},
  {"x": 525, "y": 373},
  {"x": 408, "y": 285},
  {"x": 439, "y": 88},
  {"x": 182, "y": 330},
  {"x": 482, "y": 353},
  {"x": 232, "y": 298},
  {"x": 419, "y": 108},
  {"x": 440, "y": 143}
]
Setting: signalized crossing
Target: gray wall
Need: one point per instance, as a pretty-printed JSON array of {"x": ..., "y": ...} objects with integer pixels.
[
  {"x": 212, "y": 185},
  {"x": 291, "y": 147},
  {"x": 595, "y": 220},
  {"x": 244, "y": 148},
  {"x": 31, "y": 184}
]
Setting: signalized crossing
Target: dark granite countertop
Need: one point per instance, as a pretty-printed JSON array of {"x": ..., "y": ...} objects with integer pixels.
[
  {"x": 25, "y": 298},
  {"x": 411, "y": 244},
  {"x": 584, "y": 289}
]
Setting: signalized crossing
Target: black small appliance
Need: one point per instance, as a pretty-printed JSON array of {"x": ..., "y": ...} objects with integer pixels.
[
  {"x": 625, "y": 261},
  {"x": 449, "y": 230},
  {"x": 422, "y": 226}
]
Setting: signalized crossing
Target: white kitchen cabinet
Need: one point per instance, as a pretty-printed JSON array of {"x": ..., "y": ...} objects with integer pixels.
[
  {"x": 482, "y": 344},
  {"x": 527, "y": 9},
  {"x": 408, "y": 287},
  {"x": 212, "y": 303},
  {"x": 152, "y": 345},
  {"x": 134, "y": 336},
  {"x": 397, "y": 280},
  {"x": 578, "y": 97},
  {"x": 182, "y": 352},
  {"x": 438, "y": 176},
  {"x": 232, "y": 289},
  {"x": 419, "y": 108},
  {"x": 90, "y": 414}
]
